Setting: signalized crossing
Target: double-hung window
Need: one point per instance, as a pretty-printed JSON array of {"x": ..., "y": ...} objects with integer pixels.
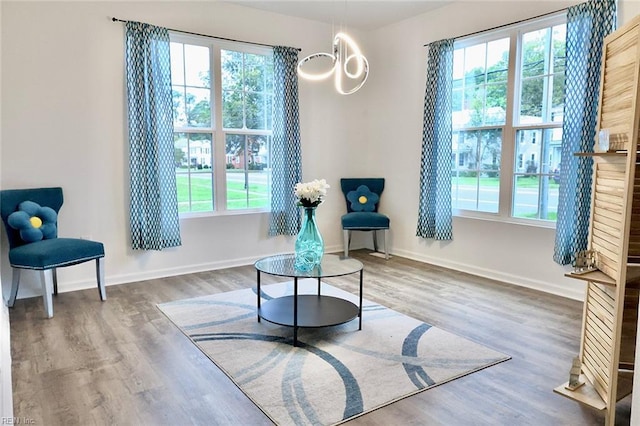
[
  {"x": 507, "y": 103},
  {"x": 222, "y": 111}
]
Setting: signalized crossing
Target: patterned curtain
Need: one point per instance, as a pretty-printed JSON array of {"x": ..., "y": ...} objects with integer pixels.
[
  {"x": 587, "y": 25},
  {"x": 154, "y": 203},
  {"x": 285, "y": 146},
  {"x": 434, "y": 213}
]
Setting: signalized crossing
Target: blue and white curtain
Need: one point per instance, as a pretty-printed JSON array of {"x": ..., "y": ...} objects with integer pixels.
[
  {"x": 285, "y": 146},
  {"x": 434, "y": 212},
  {"x": 154, "y": 203},
  {"x": 587, "y": 25}
]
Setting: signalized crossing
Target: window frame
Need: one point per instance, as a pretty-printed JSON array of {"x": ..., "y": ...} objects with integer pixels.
[
  {"x": 510, "y": 127},
  {"x": 218, "y": 145}
]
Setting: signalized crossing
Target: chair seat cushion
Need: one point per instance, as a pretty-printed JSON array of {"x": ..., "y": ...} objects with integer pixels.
[
  {"x": 365, "y": 220},
  {"x": 58, "y": 252}
]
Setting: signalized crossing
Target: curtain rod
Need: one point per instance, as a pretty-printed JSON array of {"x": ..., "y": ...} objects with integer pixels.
[
  {"x": 508, "y": 25},
  {"x": 114, "y": 19}
]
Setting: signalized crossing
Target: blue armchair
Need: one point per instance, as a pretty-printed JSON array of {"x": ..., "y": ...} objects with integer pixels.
[
  {"x": 30, "y": 219},
  {"x": 363, "y": 196}
]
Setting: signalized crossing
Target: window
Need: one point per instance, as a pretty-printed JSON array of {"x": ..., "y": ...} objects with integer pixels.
[
  {"x": 507, "y": 102},
  {"x": 222, "y": 101}
]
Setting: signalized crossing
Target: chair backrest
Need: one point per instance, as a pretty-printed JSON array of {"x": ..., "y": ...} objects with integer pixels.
[
  {"x": 375, "y": 185},
  {"x": 10, "y": 199}
]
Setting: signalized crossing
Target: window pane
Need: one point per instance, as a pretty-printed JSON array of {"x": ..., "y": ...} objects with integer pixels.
[
  {"x": 557, "y": 102},
  {"x": 248, "y": 172},
  {"x": 559, "y": 48},
  {"x": 456, "y": 100},
  {"x": 254, "y": 72},
  {"x": 476, "y": 169},
  {"x": 480, "y": 84},
  {"x": 196, "y": 65},
  {"x": 232, "y": 110},
  {"x": 535, "y": 53},
  {"x": 257, "y": 110},
  {"x": 497, "y": 61},
  {"x": 177, "y": 63},
  {"x": 475, "y": 59},
  {"x": 190, "y": 80},
  {"x": 193, "y": 158},
  {"x": 531, "y": 100},
  {"x": 198, "y": 107},
  {"x": 542, "y": 76},
  {"x": 496, "y": 104},
  {"x": 231, "y": 70},
  {"x": 536, "y": 175},
  {"x": 179, "y": 106}
]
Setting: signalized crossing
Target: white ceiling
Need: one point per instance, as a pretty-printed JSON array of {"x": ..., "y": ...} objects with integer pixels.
[{"x": 358, "y": 14}]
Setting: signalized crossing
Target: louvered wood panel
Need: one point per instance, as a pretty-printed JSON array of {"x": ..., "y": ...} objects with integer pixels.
[
  {"x": 619, "y": 69},
  {"x": 598, "y": 342},
  {"x": 610, "y": 312}
]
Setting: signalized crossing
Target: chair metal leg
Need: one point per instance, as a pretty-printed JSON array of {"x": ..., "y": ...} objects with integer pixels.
[
  {"x": 346, "y": 238},
  {"x": 47, "y": 289},
  {"x": 386, "y": 246},
  {"x": 54, "y": 272},
  {"x": 100, "y": 277},
  {"x": 375, "y": 240},
  {"x": 15, "y": 282}
]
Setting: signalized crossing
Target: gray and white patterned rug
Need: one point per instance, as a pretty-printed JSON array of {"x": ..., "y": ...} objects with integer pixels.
[{"x": 336, "y": 373}]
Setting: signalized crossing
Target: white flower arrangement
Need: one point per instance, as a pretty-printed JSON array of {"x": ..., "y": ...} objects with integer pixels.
[{"x": 311, "y": 194}]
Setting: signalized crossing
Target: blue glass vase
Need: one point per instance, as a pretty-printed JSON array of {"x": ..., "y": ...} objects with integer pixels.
[{"x": 309, "y": 244}]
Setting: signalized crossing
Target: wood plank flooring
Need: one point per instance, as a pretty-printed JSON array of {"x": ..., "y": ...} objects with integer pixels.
[{"x": 122, "y": 362}]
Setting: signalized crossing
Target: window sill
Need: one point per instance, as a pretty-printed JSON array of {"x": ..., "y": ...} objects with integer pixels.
[
  {"x": 495, "y": 217},
  {"x": 197, "y": 215}
]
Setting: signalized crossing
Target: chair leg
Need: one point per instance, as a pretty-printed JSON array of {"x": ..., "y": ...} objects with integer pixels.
[
  {"x": 100, "y": 277},
  {"x": 375, "y": 240},
  {"x": 346, "y": 238},
  {"x": 47, "y": 289},
  {"x": 15, "y": 282},
  {"x": 54, "y": 273},
  {"x": 386, "y": 246}
]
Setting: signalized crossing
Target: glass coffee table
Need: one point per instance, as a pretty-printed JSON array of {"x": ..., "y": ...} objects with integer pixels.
[{"x": 308, "y": 310}]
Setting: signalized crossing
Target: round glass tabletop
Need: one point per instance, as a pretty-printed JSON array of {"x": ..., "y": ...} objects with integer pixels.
[{"x": 331, "y": 266}]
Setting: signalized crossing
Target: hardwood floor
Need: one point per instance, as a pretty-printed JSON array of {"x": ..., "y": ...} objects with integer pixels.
[{"x": 122, "y": 362}]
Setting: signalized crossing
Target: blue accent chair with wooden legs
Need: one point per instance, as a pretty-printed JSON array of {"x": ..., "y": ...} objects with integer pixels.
[
  {"x": 30, "y": 219},
  {"x": 363, "y": 196}
]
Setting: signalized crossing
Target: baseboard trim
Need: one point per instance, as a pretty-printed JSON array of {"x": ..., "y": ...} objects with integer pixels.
[
  {"x": 517, "y": 280},
  {"x": 170, "y": 272}
]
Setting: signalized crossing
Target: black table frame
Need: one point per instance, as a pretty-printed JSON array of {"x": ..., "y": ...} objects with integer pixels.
[{"x": 279, "y": 309}]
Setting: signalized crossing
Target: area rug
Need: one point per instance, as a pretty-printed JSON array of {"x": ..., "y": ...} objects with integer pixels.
[{"x": 336, "y": 373}]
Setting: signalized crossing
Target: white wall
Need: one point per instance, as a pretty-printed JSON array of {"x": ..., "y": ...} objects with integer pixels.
[{"x": 64, "y": 125}]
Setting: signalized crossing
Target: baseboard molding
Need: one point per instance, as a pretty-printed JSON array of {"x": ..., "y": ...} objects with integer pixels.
[
  {"x": 169, "y": 272},
  {"x": 517, "y": 280}
]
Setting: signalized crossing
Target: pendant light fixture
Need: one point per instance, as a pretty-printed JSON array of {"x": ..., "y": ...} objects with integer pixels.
[{"x": 348, "y": 65}]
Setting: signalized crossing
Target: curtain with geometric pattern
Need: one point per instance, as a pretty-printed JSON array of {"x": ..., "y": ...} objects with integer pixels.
[
  {"x": 434, "y": 211},
  {"x": 154, "y": 204},
  {"x": 286, "y": 163},
  {"x": 587, "y": 25}
]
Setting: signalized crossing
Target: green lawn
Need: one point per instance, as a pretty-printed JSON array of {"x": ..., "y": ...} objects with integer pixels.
[
  {"x": 523, "y": 182},
  {"x": 255, "y": 196}
]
